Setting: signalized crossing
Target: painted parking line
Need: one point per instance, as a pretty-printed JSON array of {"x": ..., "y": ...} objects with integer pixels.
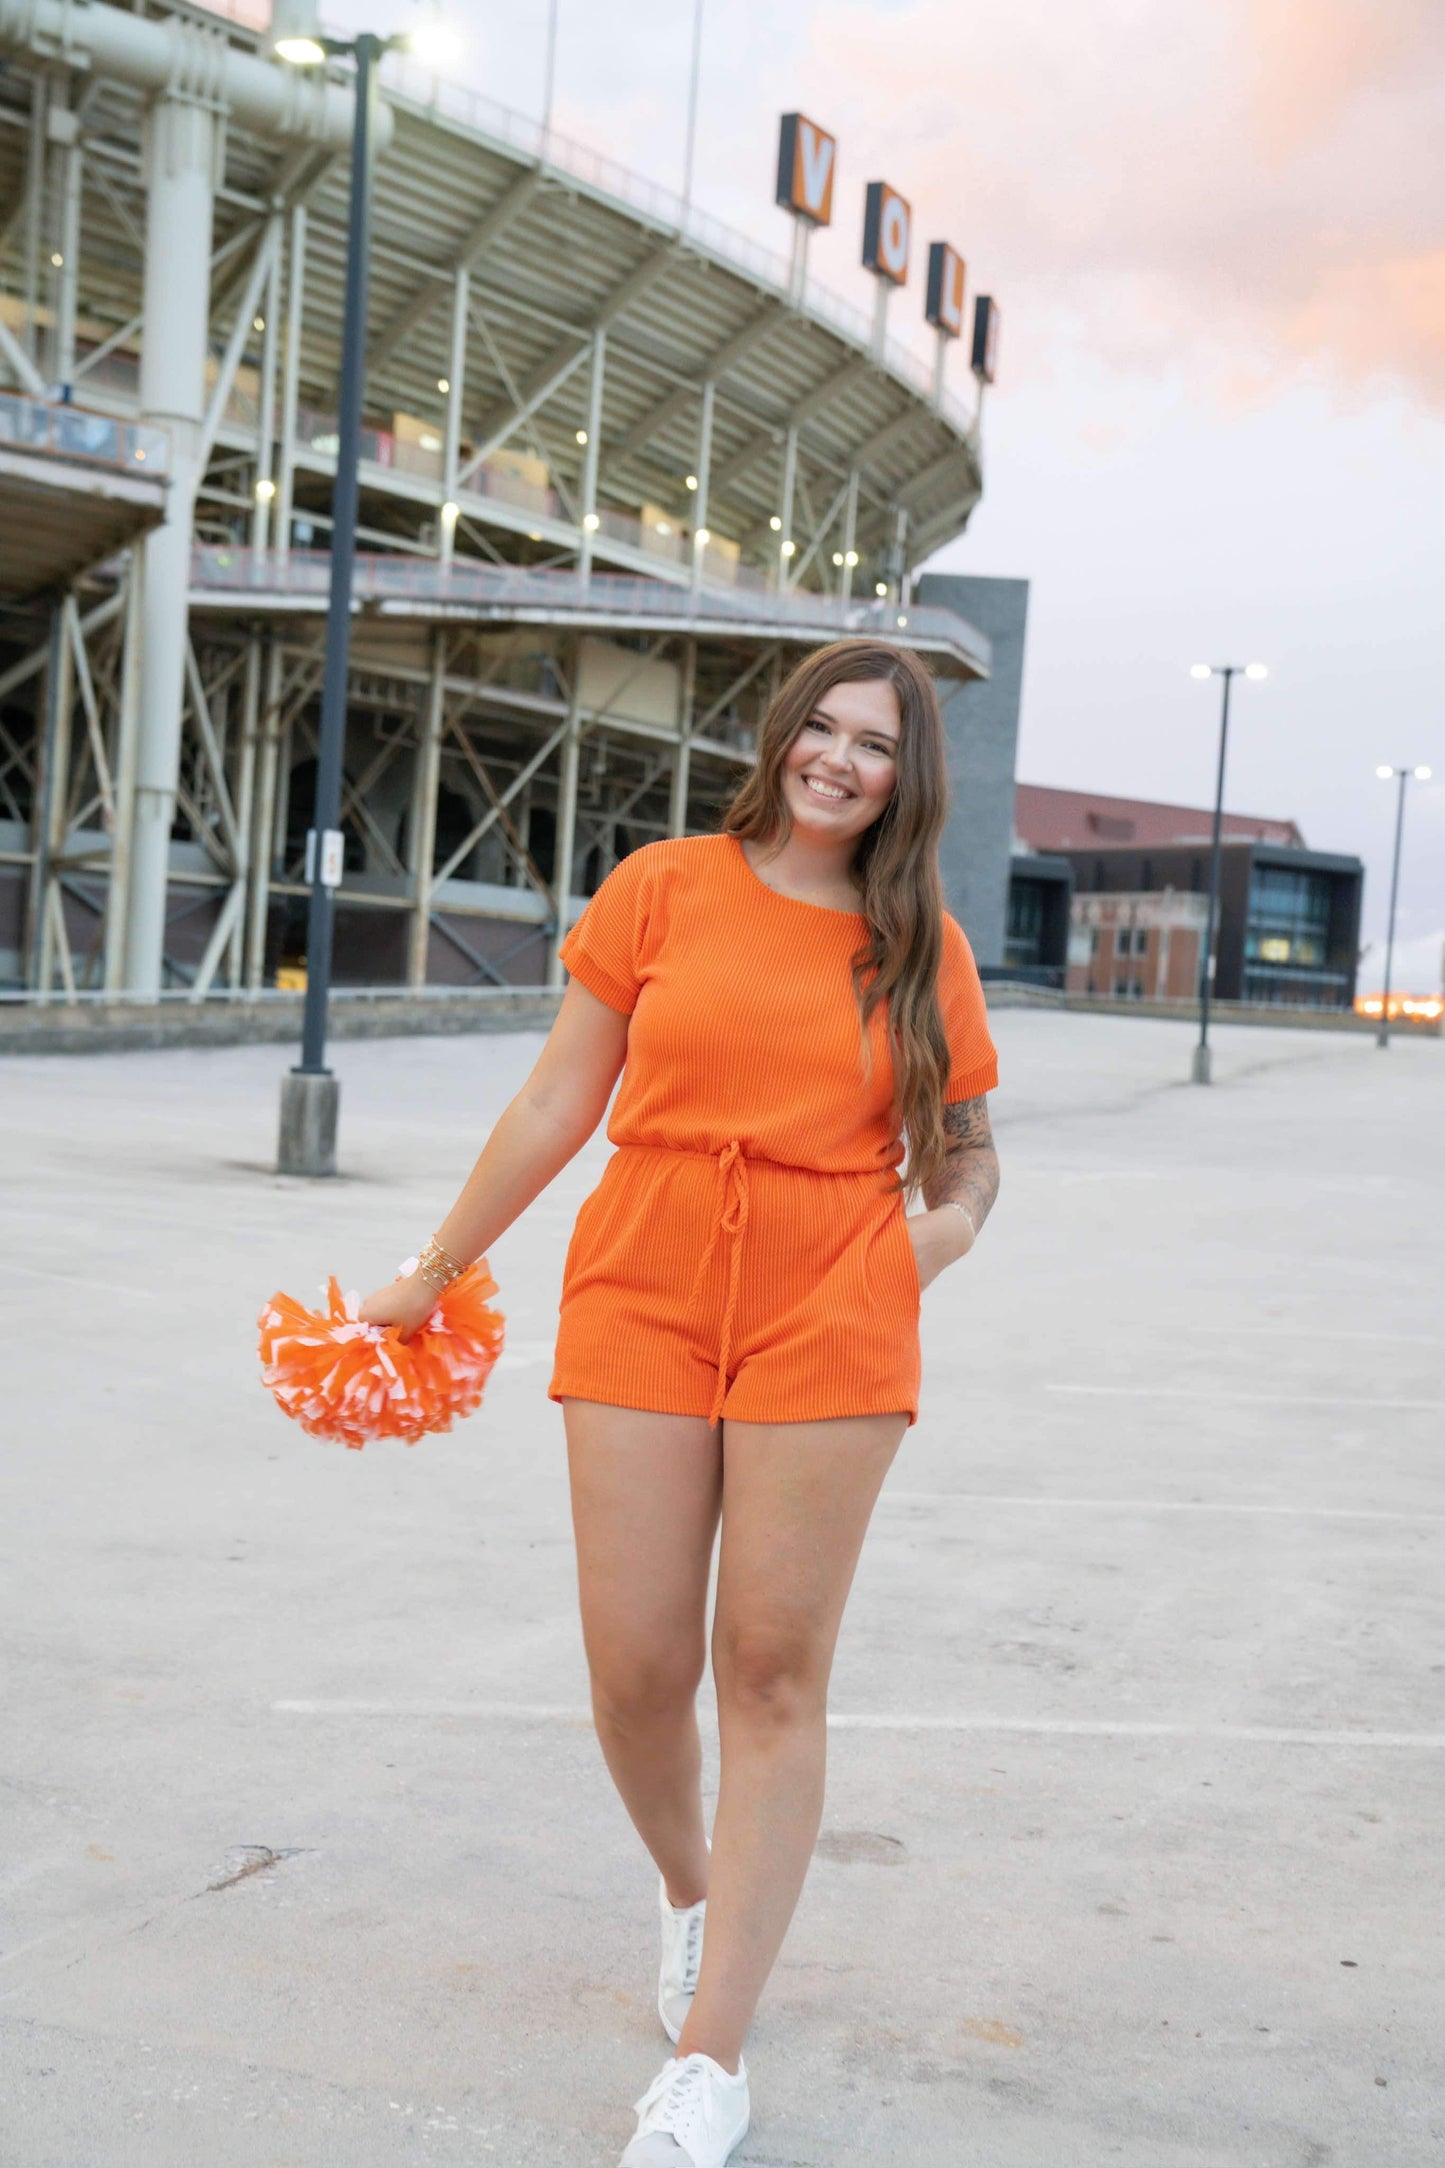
[
  {"x": 892, "y": 1721},
  {"x": 1244, "y": 1400},
  {"x": 1157, "y": 1505}
]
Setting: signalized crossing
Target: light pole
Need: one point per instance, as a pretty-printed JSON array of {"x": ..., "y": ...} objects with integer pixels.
[
  {"x": 1228, "y": 671},
  {"x": 310, "y": 1093},
  {"x": 1420, "y": 775}
]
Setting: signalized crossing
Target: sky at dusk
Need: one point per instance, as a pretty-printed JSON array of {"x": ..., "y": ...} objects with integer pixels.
[{"x": 1218, "y": 240}]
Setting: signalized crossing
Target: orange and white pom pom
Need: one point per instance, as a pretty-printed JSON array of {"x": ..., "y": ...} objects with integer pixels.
[{"x": 339, "y": 1378}]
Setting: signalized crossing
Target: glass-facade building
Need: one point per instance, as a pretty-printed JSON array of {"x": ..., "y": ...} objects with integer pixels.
[{"x": 1288, "y": 929}]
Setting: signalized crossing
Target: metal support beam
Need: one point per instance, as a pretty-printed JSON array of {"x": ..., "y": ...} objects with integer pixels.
[
  {"x": 266, "y": 416},
  {"x": 422, "y": 837},
  {"x": 787, "y": 547},
  {"x": 682, "y": 758},
  {"x": 850, "y": 533},
  {"x": 566, "y": 824},
  {"x": 451, "y": 445},
  {"x": 417, "y": 308},
  {"x": 704, "y": 473},
  {"x": 590, "y": 517},
  {"x": 564, "y": 358},
  {"x": 290, "y": 378},
  {"x": 47, "y": 825}
]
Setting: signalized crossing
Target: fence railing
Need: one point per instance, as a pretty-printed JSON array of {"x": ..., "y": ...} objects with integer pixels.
[
  {"x": 72, "y": 432},
  {"x": 221, "y": 569}
]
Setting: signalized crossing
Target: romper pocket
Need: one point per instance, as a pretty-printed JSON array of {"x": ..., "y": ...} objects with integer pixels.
[{"x": 893, "y": 1267}]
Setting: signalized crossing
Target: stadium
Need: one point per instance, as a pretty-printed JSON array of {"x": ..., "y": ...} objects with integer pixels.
[{"x": 619, "y": 466}]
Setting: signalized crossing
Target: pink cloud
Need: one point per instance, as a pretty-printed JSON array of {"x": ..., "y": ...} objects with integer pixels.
[{"x": 1255, "y": 186}]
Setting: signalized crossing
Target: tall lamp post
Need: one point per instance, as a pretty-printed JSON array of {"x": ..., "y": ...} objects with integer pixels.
[
  {"x": 1403, "y": 775},
  {"x": 1228, "y": 671},
  {"x": 311, "y": 1093}
]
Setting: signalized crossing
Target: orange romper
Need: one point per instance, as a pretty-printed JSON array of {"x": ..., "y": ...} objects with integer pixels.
[{"x": 745, "y": 1253}]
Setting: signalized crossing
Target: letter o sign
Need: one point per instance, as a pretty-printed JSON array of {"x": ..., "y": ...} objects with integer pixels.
[{"x": 887, "y": 230}]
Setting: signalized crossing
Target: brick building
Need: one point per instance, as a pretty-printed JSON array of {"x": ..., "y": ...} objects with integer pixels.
[{"x": 1289, "y": 917}]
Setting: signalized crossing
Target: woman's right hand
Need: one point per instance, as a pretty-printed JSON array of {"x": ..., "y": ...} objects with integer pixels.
[{"x": 407, "y": 1303}]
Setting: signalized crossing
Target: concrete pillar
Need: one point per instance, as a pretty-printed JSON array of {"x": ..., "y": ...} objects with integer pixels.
[{"x": 181, "y": 149}]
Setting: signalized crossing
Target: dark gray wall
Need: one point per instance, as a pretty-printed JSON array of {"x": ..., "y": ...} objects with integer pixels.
[{"x": 982, "y": 722}]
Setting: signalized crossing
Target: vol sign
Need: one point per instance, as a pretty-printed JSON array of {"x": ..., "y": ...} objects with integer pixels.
[
  {"x": 887, "y": 221},
  {"x": 807, "y": 160}
]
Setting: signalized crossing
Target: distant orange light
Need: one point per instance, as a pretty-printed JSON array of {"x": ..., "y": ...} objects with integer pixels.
[{"x": 1419, "y": 1008}]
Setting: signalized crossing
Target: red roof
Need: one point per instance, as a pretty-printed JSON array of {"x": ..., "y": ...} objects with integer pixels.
[{"x": 1081, "y": 820}]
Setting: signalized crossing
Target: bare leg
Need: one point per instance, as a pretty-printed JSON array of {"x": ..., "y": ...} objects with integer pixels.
[
  {"x": 646, "y": 1490},
  {"x": 796, "y": 1503}
]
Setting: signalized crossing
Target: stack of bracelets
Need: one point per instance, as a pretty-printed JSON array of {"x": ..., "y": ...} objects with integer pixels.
[{"x": 437, "y": 1266}]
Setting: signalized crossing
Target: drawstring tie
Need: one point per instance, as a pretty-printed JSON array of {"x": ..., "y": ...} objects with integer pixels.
[{"x": 730, "y": 1218}]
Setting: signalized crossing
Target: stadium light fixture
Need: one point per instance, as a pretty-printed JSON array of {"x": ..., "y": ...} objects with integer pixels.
[
  {"x": 702, "y": 537},
  {"x": 581, "y": 436},
  {"x": 789, "y": 547},
  {"x": 776, "y": 524},
  {"x": 1404, "y": 776},
  {"x": 850, "y": 557},
  {"x": 265, "y": 490},
  {"x": 837, "y": 557},
  {"x": 591, "y": 522},
  {"x": 880, "y": 589},
  {"x": 444, "y": 383},
  {"x": 691, "y": 481},
  {"x": 1228, "y": 672}
]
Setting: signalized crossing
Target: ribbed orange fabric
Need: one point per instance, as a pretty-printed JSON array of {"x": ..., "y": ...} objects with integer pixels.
[{"x": 745, "y": 1253}]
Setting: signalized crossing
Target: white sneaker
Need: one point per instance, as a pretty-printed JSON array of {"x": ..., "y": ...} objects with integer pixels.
[
  {"x": 682, "y": 1927},
  {"x": 691, "y": 2116}
]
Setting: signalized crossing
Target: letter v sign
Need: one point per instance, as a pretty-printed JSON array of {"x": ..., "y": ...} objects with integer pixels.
[{"x": 815, "y": 160}]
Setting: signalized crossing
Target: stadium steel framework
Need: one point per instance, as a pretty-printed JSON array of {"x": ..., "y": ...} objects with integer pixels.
[{"x": 616, "y": 472}]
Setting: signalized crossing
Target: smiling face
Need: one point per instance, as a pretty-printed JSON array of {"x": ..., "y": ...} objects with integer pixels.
[{"x": 840, "y": 771}]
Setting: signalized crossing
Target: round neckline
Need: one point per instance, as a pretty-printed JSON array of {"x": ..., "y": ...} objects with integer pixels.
[{"x": 829, "y": 910}]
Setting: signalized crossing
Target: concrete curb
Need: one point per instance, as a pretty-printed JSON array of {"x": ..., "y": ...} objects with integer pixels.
[{"x": 125, "y": 1027}]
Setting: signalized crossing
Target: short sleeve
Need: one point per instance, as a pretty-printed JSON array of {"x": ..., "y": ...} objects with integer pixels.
[
  {"x": 973, "y": 1065},
  {"x": 604, "y": 947}
]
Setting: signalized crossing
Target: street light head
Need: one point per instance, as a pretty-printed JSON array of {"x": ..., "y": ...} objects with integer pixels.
[
  {"x": 1422, "y": 775},
  {"x": 1384, "y": 774},
  {"x": 1256, "y": 670},
  {"x": 1200, "y": 670},
  {"x": 435, "y": 43},
  {"x": 300, "y": 52}
]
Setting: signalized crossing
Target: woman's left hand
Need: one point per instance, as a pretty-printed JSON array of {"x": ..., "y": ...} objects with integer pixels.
[{"x": 939, "y": 1238}]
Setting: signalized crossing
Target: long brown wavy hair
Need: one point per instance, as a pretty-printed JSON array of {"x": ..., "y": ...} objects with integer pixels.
[{"x": 896, "y": 867}]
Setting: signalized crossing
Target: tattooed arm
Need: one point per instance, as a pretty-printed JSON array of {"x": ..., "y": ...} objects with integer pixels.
[{"x": 970, "y": 1178}]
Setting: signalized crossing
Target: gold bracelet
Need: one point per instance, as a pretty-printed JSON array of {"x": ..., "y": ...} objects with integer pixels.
[{"x": 437, "y": 1266}]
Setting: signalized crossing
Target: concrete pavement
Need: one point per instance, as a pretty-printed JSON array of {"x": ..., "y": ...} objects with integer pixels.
[{"x": 1132, "y": 1846}]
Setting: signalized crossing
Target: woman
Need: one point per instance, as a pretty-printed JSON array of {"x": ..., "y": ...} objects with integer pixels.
[{"x": 785, "y": 1002}]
